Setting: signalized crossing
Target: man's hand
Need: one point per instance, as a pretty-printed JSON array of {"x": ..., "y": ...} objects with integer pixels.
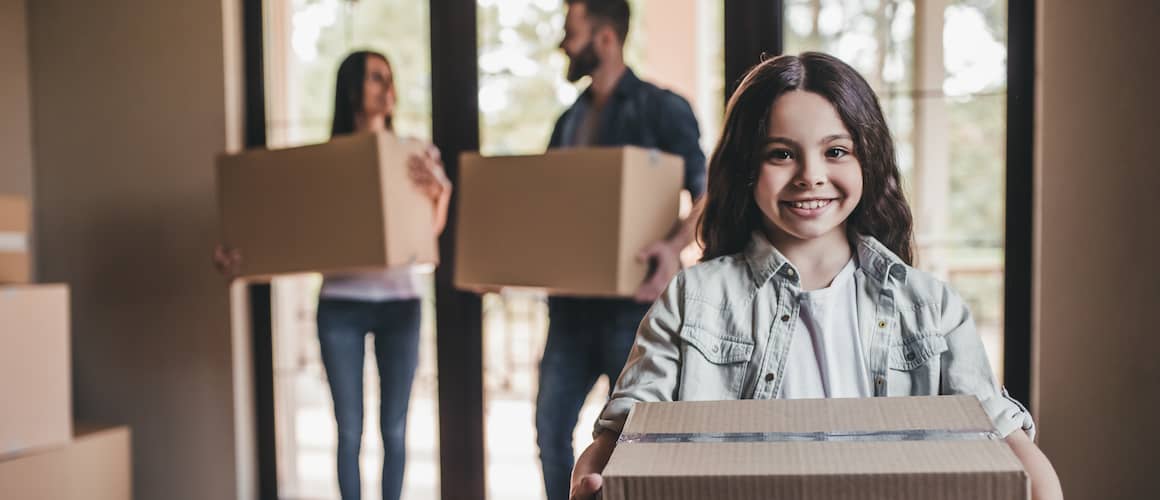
[{"x": 665, "y": 260}]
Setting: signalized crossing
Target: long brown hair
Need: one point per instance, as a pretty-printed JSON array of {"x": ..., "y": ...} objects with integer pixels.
[
  {"x": 348, "y": 92},
  {"x": 731, "y": 213}
]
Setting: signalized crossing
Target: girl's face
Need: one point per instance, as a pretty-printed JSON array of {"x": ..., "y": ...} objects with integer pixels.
[
  {"x": 810, "y": 181},
  {"x": 378, "y": 89}
]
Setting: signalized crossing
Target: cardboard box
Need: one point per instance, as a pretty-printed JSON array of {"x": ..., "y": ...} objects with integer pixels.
[
  {"x": 96, "y": 465},
  {"x": 15, "y": 216},
  {"x": 345, "y": 205},
  {"x": 570, "y": 221},
  {"x": 917, "y": 448},
  {"x": 35, "y": 367}
]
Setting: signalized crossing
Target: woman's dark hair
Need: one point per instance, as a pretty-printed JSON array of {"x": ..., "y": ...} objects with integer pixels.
[
  {"x": 348, "y": 91},
  {"x": 731, "y": 212}
]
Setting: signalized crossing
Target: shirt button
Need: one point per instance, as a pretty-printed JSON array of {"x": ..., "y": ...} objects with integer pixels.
[
  {"x": 785, "y": 317},
  {"x": 769, "y": 377},
  {"x": 789, "y": 272},
  {"x": 910, "y": 356},
  {"x": 716, "y": 349},
  {"x": 881, "y": 324}
]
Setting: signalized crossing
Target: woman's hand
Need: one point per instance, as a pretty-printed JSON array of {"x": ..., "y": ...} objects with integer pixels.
[{"x": 426, "y": 171}]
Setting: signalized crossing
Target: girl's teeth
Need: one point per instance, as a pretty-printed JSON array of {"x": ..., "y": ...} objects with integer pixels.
[{"x": 811, "y": 205}]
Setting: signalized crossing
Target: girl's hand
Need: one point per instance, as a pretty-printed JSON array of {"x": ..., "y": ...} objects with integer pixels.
[
  {"x": 426, "y": 171},
  {"x": 228, "y": 261},
  {"x": 586, "y": 478}
]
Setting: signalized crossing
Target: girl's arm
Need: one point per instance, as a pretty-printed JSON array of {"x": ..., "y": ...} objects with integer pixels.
[
  {"x": 1044, "y": 482},
  {"x": 965, "y": 370},
  {"x": 653, "y": 367},
  {"x": 650, "y": 374}
]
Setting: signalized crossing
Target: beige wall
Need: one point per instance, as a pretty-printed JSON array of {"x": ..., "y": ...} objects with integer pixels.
[
  {"x": 15, "y": 138},
  {"x": 129, "y": 109},
  {"x": 15, "y": 133},
  {"x": 1098, "y": 271}
]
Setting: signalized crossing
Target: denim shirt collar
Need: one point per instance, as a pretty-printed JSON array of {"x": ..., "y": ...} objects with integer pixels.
[
  {"x": 874, "y": 259},
  {"x": 624, "y": 87}
]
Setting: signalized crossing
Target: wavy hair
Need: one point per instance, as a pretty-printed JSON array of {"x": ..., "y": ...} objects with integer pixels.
[{"x": 731, "y": 212}]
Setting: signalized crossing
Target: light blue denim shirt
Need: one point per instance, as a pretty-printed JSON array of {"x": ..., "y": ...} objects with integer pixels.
[{"x": 722, "y": 330}]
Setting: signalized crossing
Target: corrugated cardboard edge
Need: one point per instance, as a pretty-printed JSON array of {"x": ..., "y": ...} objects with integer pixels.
[{"x": 969, "y": 410}]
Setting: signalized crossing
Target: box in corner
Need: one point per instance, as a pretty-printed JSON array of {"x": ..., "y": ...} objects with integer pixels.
[
  {"x": 15, "y": 216},
  {"x": 35, "y": 367}
]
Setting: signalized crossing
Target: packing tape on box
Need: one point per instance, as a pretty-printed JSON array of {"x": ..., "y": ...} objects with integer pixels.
[
  {"x": 11, "y": 241},
  {"x": 787, "y": 437}
]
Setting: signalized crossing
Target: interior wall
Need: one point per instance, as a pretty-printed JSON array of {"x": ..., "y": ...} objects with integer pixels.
[
  {"x": 129, "y": 108},
  {"x": 15, "y": 133},
  {"x": 1098, "y": 242}
]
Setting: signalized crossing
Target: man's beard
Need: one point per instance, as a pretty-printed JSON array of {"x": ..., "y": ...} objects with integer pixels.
[{"x": 584, "y": 63}]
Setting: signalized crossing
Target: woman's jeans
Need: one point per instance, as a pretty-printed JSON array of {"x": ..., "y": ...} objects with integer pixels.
[{"x": 342, "y": 329}]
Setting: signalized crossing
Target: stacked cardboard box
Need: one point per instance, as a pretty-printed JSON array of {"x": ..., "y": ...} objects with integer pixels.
[
  {"x": 342, "y": 206},
  {"x": 571, "y": 221},
  {"x": 14, "y": 222},
  {"x": 916, "y": 448},
  {"x": 41, "y": 458}
]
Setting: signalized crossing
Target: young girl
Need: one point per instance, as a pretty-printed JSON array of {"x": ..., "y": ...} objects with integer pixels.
[
  {"x": 806, "y": 289},
  {"x": 384, "y": 303}
]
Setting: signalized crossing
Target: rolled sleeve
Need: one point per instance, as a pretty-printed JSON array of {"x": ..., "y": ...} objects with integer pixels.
[
  {"x": 966, "y": 370},
  {"x": 653, "y": 365},
  {"x": 1008, "y": 415}
]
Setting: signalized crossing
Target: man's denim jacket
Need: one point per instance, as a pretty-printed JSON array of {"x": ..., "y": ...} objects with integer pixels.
[{"x": 722, "y": 330}]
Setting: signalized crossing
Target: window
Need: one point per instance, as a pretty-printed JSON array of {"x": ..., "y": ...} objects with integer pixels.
[
  {"x": 947, "y": 109},
  {"x": 305, "y": 42},
  {"x": 522, "y": 91}
]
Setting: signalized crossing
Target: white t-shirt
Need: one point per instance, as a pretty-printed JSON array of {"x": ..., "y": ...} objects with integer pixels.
[
  {"x": 400, "y": 283},
  {"x": 825, "y": 355}
]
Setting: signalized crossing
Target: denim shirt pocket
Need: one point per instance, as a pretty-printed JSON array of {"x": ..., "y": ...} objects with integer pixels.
[
  {"x": 713, "y": 366},
  {"x": 915, "y": 366},
  {"x": 916, "y": 353}
]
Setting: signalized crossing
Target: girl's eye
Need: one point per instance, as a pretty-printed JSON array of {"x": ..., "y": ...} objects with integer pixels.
[
  {"x": 780, "y": 155},
  {"x": 836, "y": 153}
]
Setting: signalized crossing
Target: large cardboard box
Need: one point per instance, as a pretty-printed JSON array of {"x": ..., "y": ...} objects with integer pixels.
[
  {"x": 95, "y": 465},
  {"x": 918, "y": 448},
  {"x": 35, "y": 367},
  {"x": 570, "y": 221},
  {"x": 14, "y": 222},
  {"x": 345, "y": 205}
]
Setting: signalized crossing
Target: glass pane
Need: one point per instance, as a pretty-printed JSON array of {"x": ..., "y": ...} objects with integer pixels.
[
  {"x": 677, "y": 44},
  {"x": 947, "y": 111},
  {"x": 305, "y": 42}
]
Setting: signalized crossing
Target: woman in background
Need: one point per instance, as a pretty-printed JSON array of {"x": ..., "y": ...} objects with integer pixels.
[{"x": 385, "y": 304}]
